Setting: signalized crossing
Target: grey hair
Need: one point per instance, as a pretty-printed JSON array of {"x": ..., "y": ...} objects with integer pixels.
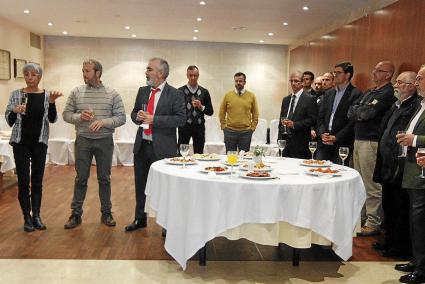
[
  {"x": 32, "y": 67},
  {"x": 164, "y": 65},
  {"x": 96, "y": 64}
]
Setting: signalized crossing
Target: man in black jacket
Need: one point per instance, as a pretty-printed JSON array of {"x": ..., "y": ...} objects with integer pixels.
[
  {"x": 389, "y": 169},
  {"x": 334, "y": 127}
]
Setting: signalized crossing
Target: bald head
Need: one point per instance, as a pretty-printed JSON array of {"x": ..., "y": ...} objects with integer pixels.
[
  {"x": 383, "y": 73},
  {"x": 318, "y": 85}
]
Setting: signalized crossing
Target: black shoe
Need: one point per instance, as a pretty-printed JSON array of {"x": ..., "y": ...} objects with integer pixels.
[
  {"x": 405, "y": 267},
  {"x": 137, "y": 224},
  {"x": 108, "y": 220},
  {"x": 164, "y": 233},
  {"x": 73, "y": 221},
  {"x": 380, "y": 246},
  {"x": 414, "y": 277},
  {"x": 396, "y": 253},
  {"x": 28, "y": 225},
  {"x": 38, "y": 224}
]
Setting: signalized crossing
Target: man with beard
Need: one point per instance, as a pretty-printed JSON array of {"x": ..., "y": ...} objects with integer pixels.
[
  {"x": 238, "y": 116},
  {"x": 164, "y": 113},
  {"x": 96, "y": 110}
]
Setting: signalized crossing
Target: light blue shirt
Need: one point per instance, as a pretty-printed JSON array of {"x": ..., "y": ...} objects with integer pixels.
[{"x": 338, "y": 96}]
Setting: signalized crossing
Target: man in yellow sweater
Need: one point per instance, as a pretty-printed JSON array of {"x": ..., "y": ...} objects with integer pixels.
[{"x": 238, "y": 116}]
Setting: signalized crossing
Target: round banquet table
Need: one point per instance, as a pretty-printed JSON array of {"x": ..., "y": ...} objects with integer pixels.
[{"x": 294, "y": 208}]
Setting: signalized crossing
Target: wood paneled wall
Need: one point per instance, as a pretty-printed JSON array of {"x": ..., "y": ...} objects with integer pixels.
[{"x": 395, "y": 33}]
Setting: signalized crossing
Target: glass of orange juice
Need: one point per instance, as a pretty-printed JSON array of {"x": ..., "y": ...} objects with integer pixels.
[{"x": 232, "y": 159}]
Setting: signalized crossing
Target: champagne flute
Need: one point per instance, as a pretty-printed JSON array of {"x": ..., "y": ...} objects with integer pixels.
[
  {"x": 144, "y": 108},
  {"x": 184, "y": 151},
  {"x": 343, "y": 153},
  {"x": 420, "y": 153},
  {"x": 283, "y": 120},
  {"x": 312, "y": 146},
  {"x": 232, "y": 159},
  {"x": 281, "y": 144},
  {"x": 401, "y": 153},
  {"x": 24, "y": 100}
]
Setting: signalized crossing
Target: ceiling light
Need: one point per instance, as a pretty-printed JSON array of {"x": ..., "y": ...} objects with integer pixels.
[
  {"x": 195, "y": 30},
  {"x": 133, "y": 35},
  {"x": 285, "y": 23},
  {"x": 65, "y": 32},
  {"x": 199, "y": 19},
  {"x": 127, "y": 27},
  {"x": 195, "y": 38},
  {"x": 26, "y": 11},
  {"x": 305, "y": 8},
  {"x": 202, "y": 3},
  {"x": 270, "y": 34},
  {"x": 261, "y": 41},
  {"x": 50, "y": 24}
]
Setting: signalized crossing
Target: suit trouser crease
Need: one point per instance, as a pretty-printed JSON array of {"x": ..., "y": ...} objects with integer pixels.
[
  {"x": 102, "y": 150},
  {"x": 417, "y": 227},
  {"x": 197, "y": 133}
]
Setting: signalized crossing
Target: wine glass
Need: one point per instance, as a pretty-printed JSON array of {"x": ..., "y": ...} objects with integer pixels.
[
  {"x": 283, "y": 120},
  {"x": 184, "y": 151},
  {"x": 312, "y": 146},
  {"x": 91, "y": 112},
  {"x": 281, "y": 144},
  {"x": 232, "y": 159},
  {"x": 343, "y": 153},
  {"x": 144, "y": 108},
  {"x": 420, "y": 153},
  {"x": 24, "y": 100},
  {"x": 401, "y": 153}
]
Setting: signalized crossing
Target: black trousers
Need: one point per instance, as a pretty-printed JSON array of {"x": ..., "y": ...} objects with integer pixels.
[
  {"x": 395, "y": 203},
  {"x": 417, "y": 227},
  {"x": 26, "y": 156},
  {"x": 142, "y": 163},
  {"x": 197, "y": 132}
]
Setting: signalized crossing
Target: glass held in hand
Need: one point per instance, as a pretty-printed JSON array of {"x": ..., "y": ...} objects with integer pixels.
[
  {"x": 232, "y": 159},
  {"x": 281, "y": 144},
  {"x": 312, "y": 146},
  {"x": 343, "y": 153},
  {"x": 420, "y": 153},
  {"x": 401, "y": 152},
  {"x": 24, "y": 101},
  {"x": 144, "y": 108},
  {"x": 283, "y": 121},
  {"x": 90, "y": 111},
  {"x": 184, "y": 151}
]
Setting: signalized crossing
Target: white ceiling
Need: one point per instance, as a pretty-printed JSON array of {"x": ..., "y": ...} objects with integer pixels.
[{"x": 176, "y": 20}]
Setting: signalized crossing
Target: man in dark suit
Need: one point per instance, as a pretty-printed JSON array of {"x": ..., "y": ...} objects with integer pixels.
[
  {"x": 414, "y": 139},
  {"x": 198, "y": 104},
  {"x": 165, "y": 112},
  {"x": 334, "y": 128},
  {"x": 308, "y": 79},
  {"x": 389, "y": 169},
  {"x": 300, "y": 113}
]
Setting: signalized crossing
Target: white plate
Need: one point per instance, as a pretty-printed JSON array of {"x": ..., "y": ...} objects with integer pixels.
[
  {"x": 206, "y": 157},
  {"x": 227, "y": 164},
  {"x": 326, "y": 164},
  {"x": 244, "y": 167},
  {"x": 319, "y": 174},
  {"x": 244, "y": 175},
  {"x": 180, "y": 163},
  {"x": 204, "y": 170}
]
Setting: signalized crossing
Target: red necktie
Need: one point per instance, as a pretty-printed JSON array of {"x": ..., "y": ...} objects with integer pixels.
[{"x": 150, "y": 108}]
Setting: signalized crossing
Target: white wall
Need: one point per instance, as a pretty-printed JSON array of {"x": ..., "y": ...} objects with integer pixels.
[
  {"x": 16, "y": 40},
  {"x": 124, "y": 62}
]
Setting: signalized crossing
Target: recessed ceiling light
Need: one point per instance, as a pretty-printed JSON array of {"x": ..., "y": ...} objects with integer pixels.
[
  {"x": 133, "y": 35},
  {"x": 285, "y": 23},
  {"x": 202, "y": 3},
  {"x": 65, "y": 32},
  {"x": 195, "y": 30},
  {"x": 50, "y": 24},
  {"x": 261, "y": 41},
  {"x": 199, "y": 19},
  {"x": 305, "y": 8},
  {"x": 127, "y": 27},
  {"x": 194, "y": 38},
  {"x": 270, "y": 34},
  {"x": 26, "y": 11}
]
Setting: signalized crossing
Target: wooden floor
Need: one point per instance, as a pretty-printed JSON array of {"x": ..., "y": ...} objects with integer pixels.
[{"x": 92, "y": 240}]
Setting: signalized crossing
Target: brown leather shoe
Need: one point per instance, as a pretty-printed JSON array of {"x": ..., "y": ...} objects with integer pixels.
[
  {"x": 108, "y": 220},
  {"x": 368, "y": 231}
]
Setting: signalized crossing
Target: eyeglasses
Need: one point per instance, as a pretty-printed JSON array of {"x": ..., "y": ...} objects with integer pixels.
[
  {"x": 380, "y": 70},
  {"x": 295, "y": 81},
  {"x": 399, "y": 82}
]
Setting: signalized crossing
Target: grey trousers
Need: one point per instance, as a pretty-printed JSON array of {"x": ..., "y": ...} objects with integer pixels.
[
  {"x": 102, "y": 149},
  {"x": 237, "y": 140}
]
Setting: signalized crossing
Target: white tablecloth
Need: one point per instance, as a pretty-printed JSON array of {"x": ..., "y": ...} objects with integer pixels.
[
  {"x": 6, "y": 156},
  {"x": 195, "y": 208}
]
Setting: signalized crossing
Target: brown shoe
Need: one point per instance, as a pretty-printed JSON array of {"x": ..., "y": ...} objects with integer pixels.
[
  {"x": 368, "y": 231},
  {"x": 108, "y": 220}
]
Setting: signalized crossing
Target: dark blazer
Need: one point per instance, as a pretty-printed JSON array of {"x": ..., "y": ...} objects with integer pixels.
[
  {"x": 411, "y": 169},
  {"x": 304, "y": 117},
  {"x": 170, "y": 113},
  {"x": 389, "y": 167},
  {"x": 342, "y": 127}
]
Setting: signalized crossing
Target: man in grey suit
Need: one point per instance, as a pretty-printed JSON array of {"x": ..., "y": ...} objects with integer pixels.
[{"x": 165, "y": 112}]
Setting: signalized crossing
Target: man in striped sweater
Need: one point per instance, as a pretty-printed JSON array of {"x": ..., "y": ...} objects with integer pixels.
[{"x": 95, "y": 110}]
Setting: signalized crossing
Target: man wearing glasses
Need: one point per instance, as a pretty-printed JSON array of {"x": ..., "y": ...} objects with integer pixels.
[{"x": 367, "y": 114}]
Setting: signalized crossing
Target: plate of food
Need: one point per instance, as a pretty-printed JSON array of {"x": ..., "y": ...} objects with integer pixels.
[
  {"x": 257, "y": 167},
  {"x": 258, "y": 175},
  {"x": 316, "y": 163},
  {"x": 216, "y": 169},
  {"x": 248, "y": 155},
  {"x": 181, "y": 161},
  {"x": 323, "y": 171},
  {"x": 206, "y": 157}
]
